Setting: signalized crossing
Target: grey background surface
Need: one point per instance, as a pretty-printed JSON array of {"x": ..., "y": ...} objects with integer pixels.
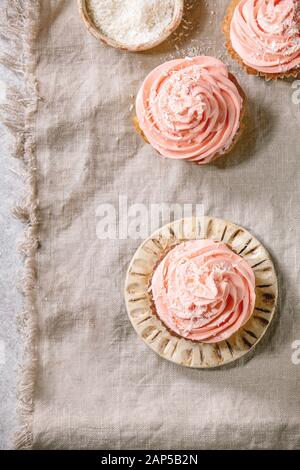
[{"x": 10, "y": 270}]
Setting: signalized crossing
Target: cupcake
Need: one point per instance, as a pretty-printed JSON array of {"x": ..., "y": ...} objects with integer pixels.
[
  {"x": 131, "y": 25},
  {"x": 263, "y": 36},
  {"x": 201, "y": 292},
  {"x": 190, "y": 109}
]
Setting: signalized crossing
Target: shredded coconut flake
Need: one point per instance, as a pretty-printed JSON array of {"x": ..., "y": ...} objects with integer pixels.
[{"x": 131, "y": 22}]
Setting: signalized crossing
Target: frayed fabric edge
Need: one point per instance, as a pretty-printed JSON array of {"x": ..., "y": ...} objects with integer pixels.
[{"x": 18, "y": 28}]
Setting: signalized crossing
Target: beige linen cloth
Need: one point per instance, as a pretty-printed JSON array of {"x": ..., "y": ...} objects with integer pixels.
[{"x": 89, "y": 382}]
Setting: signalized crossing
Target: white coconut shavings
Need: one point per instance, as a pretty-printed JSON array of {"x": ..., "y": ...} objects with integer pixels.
[{"x": 131, "y": 22}]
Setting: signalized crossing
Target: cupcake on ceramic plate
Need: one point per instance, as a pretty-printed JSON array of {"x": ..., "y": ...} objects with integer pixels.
[
  {"x": 201, "y": 292},
  {"x": 263, "y": 36},
  {"x": 190, "y": 109}
]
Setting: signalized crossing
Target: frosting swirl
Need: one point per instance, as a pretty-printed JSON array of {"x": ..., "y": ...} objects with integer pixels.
[
  {"x": 190, "y": 109},
  {"x": 266, "y": 34},
  {"x": 203, "y": 291}
]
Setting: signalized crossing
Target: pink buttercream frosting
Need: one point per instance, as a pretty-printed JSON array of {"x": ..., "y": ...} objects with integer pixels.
[
  {"x": 190, "y": 109},
  {"x": 266, "y": 34},
  {"x": 203, "y": 291}
]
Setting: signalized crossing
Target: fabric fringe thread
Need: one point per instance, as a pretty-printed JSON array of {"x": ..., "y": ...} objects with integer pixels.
[{"x": 18, "y": 29}]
